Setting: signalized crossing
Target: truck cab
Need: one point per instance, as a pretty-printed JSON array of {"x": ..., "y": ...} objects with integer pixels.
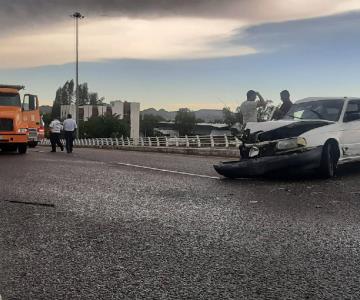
[{"x": 15, "y": 118}]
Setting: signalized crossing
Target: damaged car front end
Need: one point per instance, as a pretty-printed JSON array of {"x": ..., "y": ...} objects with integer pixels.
[
  {"x": 268, "y": 156},
  {"x": 273, "y": 146}
]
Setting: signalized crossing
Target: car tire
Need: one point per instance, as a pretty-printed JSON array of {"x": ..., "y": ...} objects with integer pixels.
[
  {"x": 329, "y": 160},
  {"x": 22, "y": 148}
]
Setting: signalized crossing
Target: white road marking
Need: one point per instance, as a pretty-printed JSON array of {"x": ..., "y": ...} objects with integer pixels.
[{"x": 166, "y": 171}]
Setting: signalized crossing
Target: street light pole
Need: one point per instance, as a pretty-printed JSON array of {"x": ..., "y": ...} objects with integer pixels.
[{"x": 77, "y": 16}]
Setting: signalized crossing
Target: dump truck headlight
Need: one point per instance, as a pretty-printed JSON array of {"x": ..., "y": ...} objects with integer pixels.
[
  {"x": 291, "y": 144},
  {"x": 22, "y": 130}
]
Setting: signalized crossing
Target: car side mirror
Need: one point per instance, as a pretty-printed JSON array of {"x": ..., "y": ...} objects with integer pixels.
[{"x": 351, "y": 116}]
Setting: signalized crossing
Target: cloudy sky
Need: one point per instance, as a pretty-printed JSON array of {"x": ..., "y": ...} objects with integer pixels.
[{"x": 177, "y": 53}]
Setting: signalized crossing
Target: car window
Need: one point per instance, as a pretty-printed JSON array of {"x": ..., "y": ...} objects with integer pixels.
[
  {"x": 317, "y": 110},
  {"x": 352, "y": 112}
]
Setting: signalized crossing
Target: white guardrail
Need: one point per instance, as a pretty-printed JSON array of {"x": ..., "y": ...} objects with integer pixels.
[{"x": 220, "y": 142}]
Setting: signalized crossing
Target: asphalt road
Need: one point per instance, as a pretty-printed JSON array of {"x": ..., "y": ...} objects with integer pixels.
[{"x": 129, "y": 225}]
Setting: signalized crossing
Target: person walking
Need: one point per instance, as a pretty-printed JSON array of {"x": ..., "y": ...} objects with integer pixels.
[
  {"x": 285, "y": 106},
  {"x": 70, "y": 127},
  {"x": 248, "y": 109},
  {"x": 55, "y": 129}
]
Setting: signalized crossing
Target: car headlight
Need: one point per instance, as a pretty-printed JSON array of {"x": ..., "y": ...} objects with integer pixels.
[
  {"x": 254, "y": 151},
  {"x": 291, "y": 144}
]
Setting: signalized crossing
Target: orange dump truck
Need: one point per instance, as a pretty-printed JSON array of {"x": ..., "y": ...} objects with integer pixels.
[{"x": 18, "y": 120}]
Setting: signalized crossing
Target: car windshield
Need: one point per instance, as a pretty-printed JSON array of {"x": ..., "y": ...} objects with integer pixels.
[
  {"x": 329, "y": 110},
  {"x": 8, "y": 99}
]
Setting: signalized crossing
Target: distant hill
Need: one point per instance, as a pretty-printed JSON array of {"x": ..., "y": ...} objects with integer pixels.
[
  {"x": 45, "y": 109},
  {"x": 208, "y": 115}
]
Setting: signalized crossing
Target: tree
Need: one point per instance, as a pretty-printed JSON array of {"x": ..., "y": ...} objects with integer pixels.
[
  {"x": 67, "y": 93},
  {"x": 93, "y": 98},
  {"x": 47, "y": 119},
  {"x": 83, "y": 94},
  {"x": 104, "y": 127},
  {"x": 56, "y": 108},
  {"x": 229, "y": 116},
  {"x": 185, "y": 121},
  {"x": 148, "y": 123}
]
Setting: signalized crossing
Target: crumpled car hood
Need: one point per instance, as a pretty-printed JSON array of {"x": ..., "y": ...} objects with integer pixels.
[{"x": 282, "y": 129}]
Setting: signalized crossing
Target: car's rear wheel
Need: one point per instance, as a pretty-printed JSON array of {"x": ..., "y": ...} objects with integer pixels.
[
  {"x": 22, "y": 148},
  {"x": 329, "y": 160}
]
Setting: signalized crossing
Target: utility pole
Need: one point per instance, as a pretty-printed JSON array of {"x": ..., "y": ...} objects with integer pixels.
[{"x": 77, "y": 16}]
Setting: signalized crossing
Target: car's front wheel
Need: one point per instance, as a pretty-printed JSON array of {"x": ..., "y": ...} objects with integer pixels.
[{"x": 329, "y": 160}]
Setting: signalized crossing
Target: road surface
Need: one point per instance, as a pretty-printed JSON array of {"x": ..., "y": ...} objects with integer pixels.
[{"x": 101, "y": 224}]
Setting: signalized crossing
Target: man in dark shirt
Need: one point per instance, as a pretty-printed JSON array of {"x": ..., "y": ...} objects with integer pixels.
[{"x": 285, "y": 106}]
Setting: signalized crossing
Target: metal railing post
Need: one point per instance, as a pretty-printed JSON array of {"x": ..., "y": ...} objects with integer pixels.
[
  {"x": 212, "y": 142},
  {"x": 187, "y": 141},
  {"x": 198, "y": 141},
  {"x": 226, "y": 141},
  {"x": 237, "y": 142}
]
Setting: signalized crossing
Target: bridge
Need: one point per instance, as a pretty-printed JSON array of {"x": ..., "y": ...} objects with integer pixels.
[{"x": 108, "y": 224}]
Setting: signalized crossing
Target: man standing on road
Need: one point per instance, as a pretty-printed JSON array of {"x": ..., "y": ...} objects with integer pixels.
[
  {"x": 248, "y": 109},
  {"x": 285, "y": 106},
  {"x": 55, "y": 129},
  {"x": 69, "y": 129}
]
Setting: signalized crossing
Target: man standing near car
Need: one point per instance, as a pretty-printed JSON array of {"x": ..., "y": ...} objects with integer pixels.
[
  {"x": 69, "y": 129},
  {"x": 55, "y": 129},
  {"x": 285, "y": 106},
  {"x": 248, "y": 109}
]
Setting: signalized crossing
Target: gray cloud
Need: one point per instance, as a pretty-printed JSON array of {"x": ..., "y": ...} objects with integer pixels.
[
  {"x": 32, "y": 14},
  {"x": 32, "y": 11}
]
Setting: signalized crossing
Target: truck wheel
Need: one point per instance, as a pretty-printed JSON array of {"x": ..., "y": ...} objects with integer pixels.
[
  {"x": 22, "y": 148},
  {"x": 329, "y": 160}
]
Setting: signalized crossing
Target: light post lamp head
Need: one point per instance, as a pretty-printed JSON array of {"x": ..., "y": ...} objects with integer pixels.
[{"x": 77, "y": 15}]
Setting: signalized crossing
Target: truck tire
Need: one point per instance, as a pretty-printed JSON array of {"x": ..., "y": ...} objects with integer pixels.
[
  {"x": 22, "y": 148},
  {"x": 329, "y": 160}
]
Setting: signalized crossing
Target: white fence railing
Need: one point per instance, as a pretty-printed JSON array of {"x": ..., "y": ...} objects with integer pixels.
[{"x": 223, "y": 141}]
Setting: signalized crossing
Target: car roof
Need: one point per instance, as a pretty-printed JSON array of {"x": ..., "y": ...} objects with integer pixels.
[{"x": 309, "y": 99}]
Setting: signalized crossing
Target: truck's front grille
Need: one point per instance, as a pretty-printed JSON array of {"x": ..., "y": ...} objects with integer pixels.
[
  {"x": 6, "y": 125},
  {"x": 32, "y": 133}
]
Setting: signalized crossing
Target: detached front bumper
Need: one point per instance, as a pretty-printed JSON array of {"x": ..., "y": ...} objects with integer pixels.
[{"x": 305, "y": 160}]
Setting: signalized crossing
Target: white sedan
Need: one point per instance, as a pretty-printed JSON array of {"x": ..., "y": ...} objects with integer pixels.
[{"x": 317, "y": 133}]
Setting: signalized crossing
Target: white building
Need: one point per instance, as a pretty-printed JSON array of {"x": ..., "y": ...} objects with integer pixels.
[
  {"x": 134, "y": 120},
  {"x": 124, "y": 110}
]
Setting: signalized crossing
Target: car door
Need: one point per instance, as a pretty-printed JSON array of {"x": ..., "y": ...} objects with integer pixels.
[{"x": 350, "y": 138}]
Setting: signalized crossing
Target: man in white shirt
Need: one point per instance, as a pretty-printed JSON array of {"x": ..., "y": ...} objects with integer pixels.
[
  {"x": 69, "y": 128},
  {"x": 248, "y": 109},
  {"x": 55, "y": 129}
]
